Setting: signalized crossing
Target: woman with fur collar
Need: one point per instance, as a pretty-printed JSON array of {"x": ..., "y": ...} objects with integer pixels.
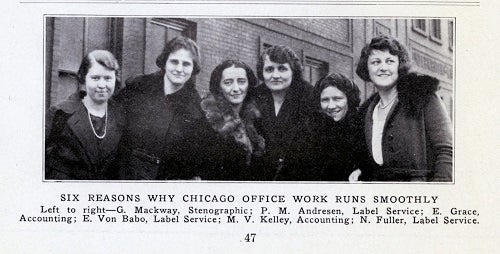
[
  {"x": 230, "y": 110},
  {"x": 407, "y": 129}
]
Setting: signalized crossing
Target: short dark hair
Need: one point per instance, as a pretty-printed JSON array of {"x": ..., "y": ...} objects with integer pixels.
[
  {"x": 102, "y": 57},
  {"x": 180, "y": 42},
  {"x": 216, "y": 77},
  {"x": 383, "y": 42},
  {"x": 281, "y": 54},
  {"x": 341, "y": 82}
]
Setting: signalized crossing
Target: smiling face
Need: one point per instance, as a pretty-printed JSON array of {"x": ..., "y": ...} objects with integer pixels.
[
  {"x": 277, "y": 76},
  {"x": 100, "y": 83},
  {"x": 234, "y": 85},
  {"x": 383, "y": 69},
  {"x": 334, "y": 103},
  {"x": 179, "y": 67}
]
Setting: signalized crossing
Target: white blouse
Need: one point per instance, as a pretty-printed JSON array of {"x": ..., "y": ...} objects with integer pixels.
[{"x": 379, "y": 117}]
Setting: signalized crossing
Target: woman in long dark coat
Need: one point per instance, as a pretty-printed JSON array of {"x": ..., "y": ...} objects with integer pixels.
[
  {"x": 232, "y": 145},
  {"x": 283, "y": 99},
  {"x": 407, "y": 129},
  {"x": 83, "y": 132},
  {"x": 161, "y": 110},
  {"x": 337, "y": 142}
]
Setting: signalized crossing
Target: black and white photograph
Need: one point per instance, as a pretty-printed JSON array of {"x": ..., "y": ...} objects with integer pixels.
[
  {"x": 266, "y": 126},
  {"x": 249, "y": 99}
]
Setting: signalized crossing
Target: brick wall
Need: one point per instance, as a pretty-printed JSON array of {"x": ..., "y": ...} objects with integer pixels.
[{"x": 221, "y": 39}]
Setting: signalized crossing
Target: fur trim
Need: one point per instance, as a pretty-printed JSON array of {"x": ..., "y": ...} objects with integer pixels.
[
  {"x": 226, "y": 122},
  {"x": 415, "y": 91}
]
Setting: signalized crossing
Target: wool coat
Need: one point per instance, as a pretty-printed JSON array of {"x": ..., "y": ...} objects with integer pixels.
[
  {"x": 285, "y": 134},
  {"x": 336, "y": 148},
  {"x": 417, "y": 135},
  {"x": 73, "y": 152},
  {"x": 158, "y": 129}
]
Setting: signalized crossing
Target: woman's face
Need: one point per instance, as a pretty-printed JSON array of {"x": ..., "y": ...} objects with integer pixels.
[
  {"x": 100, "y": 83},
  {"x": 234, "y": 85},
  {"x": 383, "y": 69},
  {"x": 277, "y": 76},
  {"x": 334, "y": 103},
  {"x": 179, "y": 67}
]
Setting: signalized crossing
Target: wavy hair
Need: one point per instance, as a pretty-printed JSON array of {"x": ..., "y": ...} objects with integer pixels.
[
  {"x": 383, "y": 43},
  {"x": 216, "y": 77},
  {"x": 175, "y": 44},
  {"x": 281, "y": 54},
  {"x": 341, "y": 82},
  {"x": 102, "y": 57}
]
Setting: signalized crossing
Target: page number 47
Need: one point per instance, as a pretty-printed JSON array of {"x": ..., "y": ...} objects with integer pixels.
[{"x": 250, "y": 237}]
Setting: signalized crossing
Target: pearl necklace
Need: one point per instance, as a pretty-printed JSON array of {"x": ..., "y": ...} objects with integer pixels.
[
  {"x": 389, "y": 103},
  {"x": 105, "y": 124}
]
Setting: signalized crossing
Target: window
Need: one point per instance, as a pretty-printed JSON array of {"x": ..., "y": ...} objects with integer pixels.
[
  {"x": 420, "y": 26},
  {"x": 158, "y": 32},
  {"x": 435, "y": 30},
  {"x": 314, "y": 69},
  {"x": 451, "y": 33}
]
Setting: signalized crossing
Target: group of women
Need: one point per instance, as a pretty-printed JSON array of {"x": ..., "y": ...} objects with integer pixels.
[{"x": 282, "y": 129}]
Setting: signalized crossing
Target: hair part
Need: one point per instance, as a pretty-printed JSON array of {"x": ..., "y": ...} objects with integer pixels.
[
  {"x": 102, "y": 57},
  {"x": 341, "y": 82},
  {"x": 383, "y": 43},
  {"x": 180, "y": 42},
  {"x": 281, "y": 54},
  {"x": 216, "y": 77}
]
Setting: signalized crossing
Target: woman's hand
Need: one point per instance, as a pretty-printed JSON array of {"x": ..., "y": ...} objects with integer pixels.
[{"x": 354, "y": 176}]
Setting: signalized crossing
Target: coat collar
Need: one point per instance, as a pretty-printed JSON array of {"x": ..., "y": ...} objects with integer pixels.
[{"x": 79, "y": 123}]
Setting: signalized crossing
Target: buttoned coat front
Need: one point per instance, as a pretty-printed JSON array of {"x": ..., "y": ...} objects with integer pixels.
[{"x": 417, "y": 136}]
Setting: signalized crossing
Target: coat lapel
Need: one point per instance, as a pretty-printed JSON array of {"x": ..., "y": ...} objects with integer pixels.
[
  {"x": 80, "y": 125},
  {"x": 113, "y": 133},
  {"x": 162, "y": 109},
  {"x": 369, "y": 123}
]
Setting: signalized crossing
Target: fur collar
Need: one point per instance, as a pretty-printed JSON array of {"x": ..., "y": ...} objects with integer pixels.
[
  {"x": 415, "y": 91},
  {"x": 226, "y": 122}
]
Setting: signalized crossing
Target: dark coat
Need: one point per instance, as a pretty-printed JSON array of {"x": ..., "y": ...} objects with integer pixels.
[
  {"x": 158, "y": 128},
  {"x": 285, "y": 134},
  {"x": 336, "y": 148},
  {"x": 73, "y": 152},
  {"x": 227, "y": 156},
  {"x": 417, "y": 136}
]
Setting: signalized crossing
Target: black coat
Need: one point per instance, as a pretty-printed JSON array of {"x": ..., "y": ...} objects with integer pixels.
[
  {"x": 336, "y": 148},
  {"x": 285, "y": 134},
  {"x": 225, "y": 157},
  {"x": 73, "y": 152},
  {"x": 158, "y": 129}
]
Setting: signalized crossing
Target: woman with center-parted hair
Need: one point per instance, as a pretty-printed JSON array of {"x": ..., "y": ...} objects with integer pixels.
[
  {"x": 161, "y": 110},
  {"x": 283, "y": 99},
  {"x": 233, "y": 146},
  {"x": 83, "y": 132}
]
